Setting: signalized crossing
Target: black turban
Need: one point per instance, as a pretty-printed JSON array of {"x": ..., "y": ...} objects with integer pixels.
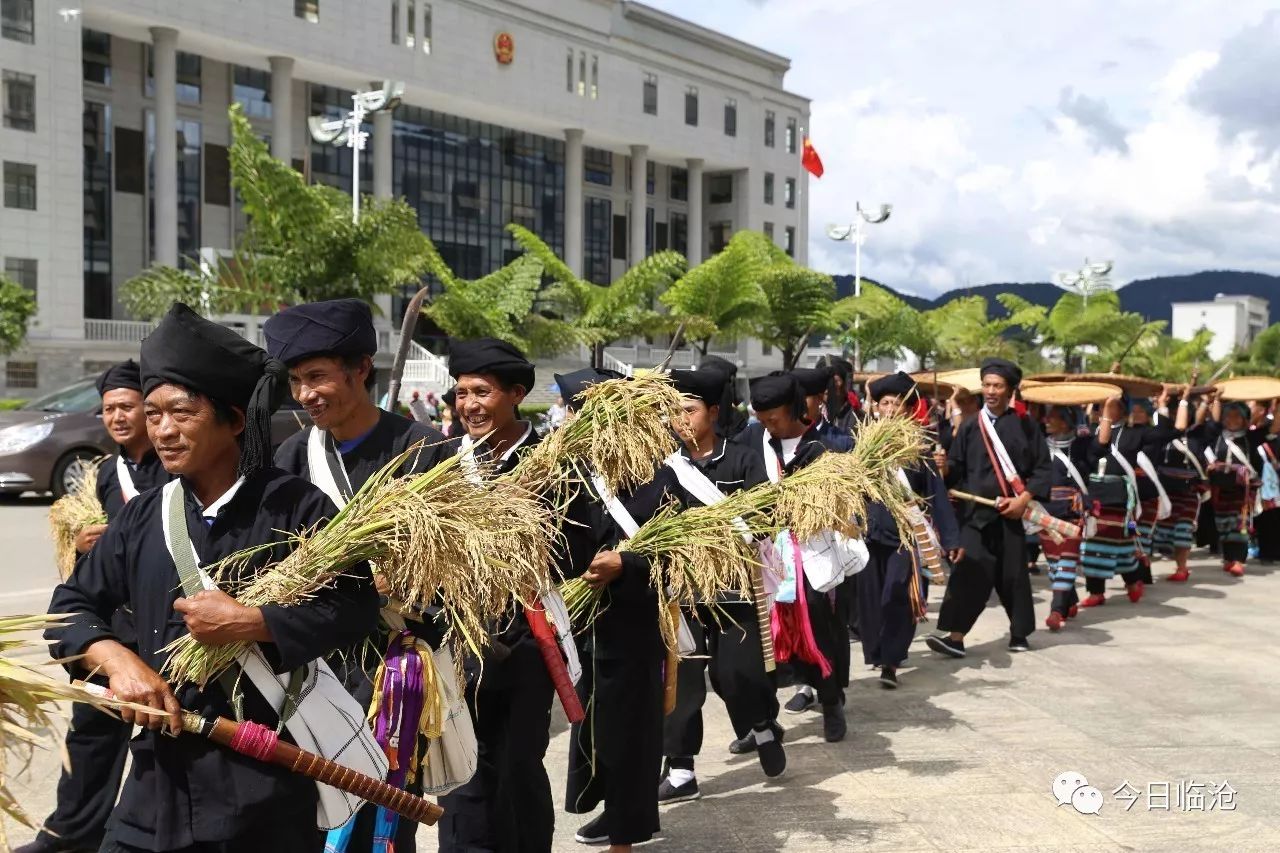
[
  {"x": 813, "y": 380},
  {"x": 338, "y": 327},
  {"x": 705, "y": 385},
  {"x": 1006, "y": 370},
  {"x": 202, "y": 356},
  {"x": 778, "y": 389},
  {"x": 715, "y": 362},
  {"x": 122, "y": 375},
  {"x": 895, "y": 384},
  {"x": 573, "y": 384},
  {"x": 492, "y": 357}
]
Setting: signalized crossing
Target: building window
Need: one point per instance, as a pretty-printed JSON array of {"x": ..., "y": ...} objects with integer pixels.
[
  {"x": 768, "y": 187},
  {"x": 679, "y": 184},
  {"x": 582, "y": 74},
  {"x": 21, "y": 374},
  {"x": 595, "y": 76},
  {"x": 789, "y": 141},
  {"x": 19, "y": 185},
  {"x": 18, "y": 20},
  {"x": 730, "y": 117},
  {"x": 395, "y": 22},
  {"x": 679, "y": 232},
  {"x": 789, "y": 193},
  {"x": 19, "y": 100},
  {"x": 651, "y": 94},
  {"x": 650, "y": 176},
  {"x": 648, "y": 231},
  {"x": 307, "y": 10},
  {"x": 691, "y": 106},
  {"x": 720, "y": 189},
  {"x": 597, "y": 220},
  {"x": 252, "y": 89},
  {"x": 769, "y": 121},
  {"x": 95, "y": 54},
  {"x": 188, "y": 74},
  {"x": 189, "y": 174},
  {"x": 568, "y": 73},
  {"x": 426, "y": 28},
  {"x": 97, "y": 210},
  {"x": 620, "y": 236},
  {"x": 597, "y": 166},
  {"x": 720, "y": 233},
  {"x": 789, "y": 240},
  {"x": 411, "y": 30},
  {"x": 768, "y": 231},
  {"x": 22, "y": 271}
]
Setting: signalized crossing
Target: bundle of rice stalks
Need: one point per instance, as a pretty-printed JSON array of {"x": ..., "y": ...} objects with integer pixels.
[
  {"x": 621, "y": 431},
  {"x": 696, "y": 554},
  {"x": 28, "y": 697},
  {"x": 437, "y": 537},
  {"x": 73, "y": 512}
]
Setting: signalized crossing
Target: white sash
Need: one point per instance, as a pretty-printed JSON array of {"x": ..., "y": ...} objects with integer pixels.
[
  {"x": 1148, "y": 468},
  {"x": 622, "y": 516},
  {"x": 772, "y": 465},
  {"x": 127, "y": 488},
  {"x": 1072, "y": 470},
  {"x": 551, "y": 601},
  {"x": 1006, "y": 464},
  {"x": 327, "y": 721},
  {"x": 1233, "y": 449},
  {"x": 1180, "y": 445},
  {"x": 318, "y": 466},
  {"x": 698, "y": 484},
  {"x": 1130, "y": 475}
]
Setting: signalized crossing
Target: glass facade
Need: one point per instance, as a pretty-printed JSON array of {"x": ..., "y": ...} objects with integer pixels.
[
  {"x": 597, "y": 166},
  {"x": 97, "y": 211},
  {"x": 331, "y": 164},
  {"x": 679, "y": 232},
  {"x": 467, "y": 180},
  {"x": 95, "y": 50},
  {"x": 597, "y": 219},
  {"x": 189, "y": 153},
  {"x": 189, "y": 70},
  {"x": 252, "y": 89}
]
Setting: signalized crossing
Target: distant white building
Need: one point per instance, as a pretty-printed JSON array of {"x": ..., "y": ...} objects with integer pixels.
[{"x": 1234, "y": 320}]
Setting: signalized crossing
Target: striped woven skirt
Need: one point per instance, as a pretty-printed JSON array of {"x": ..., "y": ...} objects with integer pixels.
[
  {"x": 1063, "y": 557},
  {"x": 1232, "y": 516},
  {"x": 1112, "y": 551},
  {"x": 1179, "y": 529},
  {"x": 1147, "y": 526}
]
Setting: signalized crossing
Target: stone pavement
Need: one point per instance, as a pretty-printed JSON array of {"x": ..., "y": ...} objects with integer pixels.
[{"x": 1177, "y": 690}]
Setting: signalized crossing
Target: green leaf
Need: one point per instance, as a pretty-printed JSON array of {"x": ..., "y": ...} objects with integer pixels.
[{"x": 17, "y": 307}]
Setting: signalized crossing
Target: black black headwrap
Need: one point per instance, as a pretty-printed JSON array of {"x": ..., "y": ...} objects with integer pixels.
[
  {"x": 813, "y": 380},
  {"x": 778, "y": 389},
  {"x": 896, "y": 384},
  {"x": 493, "y": 357},
  {"x": 573, "y": 384},
  {"x": 838, "y": 393},
  {"x": 705, "y": 385},
  {"x": 730, "y": 420},
  {"x": 123, "y": 375},
  {"x": 204, "y": 357},
  {"x": 339, "y": 327},
  {"x": 1006, "y": 370}
]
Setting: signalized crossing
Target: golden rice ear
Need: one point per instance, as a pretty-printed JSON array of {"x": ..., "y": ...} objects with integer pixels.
[{"x": 77, "y": 509}]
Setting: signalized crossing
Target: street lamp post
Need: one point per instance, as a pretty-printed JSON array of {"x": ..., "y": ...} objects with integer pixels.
[
  {"x": 1090, "y": 278},
  {"x": 347, "y": 131},
  {"x": 856, "y": 233}
]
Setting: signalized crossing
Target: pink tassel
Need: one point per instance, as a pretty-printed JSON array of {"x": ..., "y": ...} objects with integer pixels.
[{"x": 792, "y": 633}]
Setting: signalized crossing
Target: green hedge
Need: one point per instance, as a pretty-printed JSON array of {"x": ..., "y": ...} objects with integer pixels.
[
  {"x": 528, "y": 410},
  {"x": 10, "y": 405}
]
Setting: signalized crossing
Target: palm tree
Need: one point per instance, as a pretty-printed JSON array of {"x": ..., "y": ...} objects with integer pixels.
[
  {"x": 798, "y": 305},
  {"x": 722, "y": 297}
]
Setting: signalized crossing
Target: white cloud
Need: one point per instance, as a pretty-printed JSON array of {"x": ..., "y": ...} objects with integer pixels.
[{"x": 1012, "y": 145}]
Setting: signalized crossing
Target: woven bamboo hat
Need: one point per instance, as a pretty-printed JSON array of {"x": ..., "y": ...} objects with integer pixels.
[
  {"x": 931, "y": 387},
  {"x": 1070, "y": 393},
  {"x": 1134, "y": 386},
  {"x": 970, "y": 379},
  {"x": 1249, "y": 388}
]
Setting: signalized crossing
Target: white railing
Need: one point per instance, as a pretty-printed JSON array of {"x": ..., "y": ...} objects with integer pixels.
[
  {"x": 425, "y": 368},
  {"x": 117, "y": 331},
  {"x": 611, "y": 363}
]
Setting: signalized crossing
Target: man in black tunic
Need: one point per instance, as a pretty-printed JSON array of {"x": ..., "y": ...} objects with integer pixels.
[
  {"x": 507, "y": 806},
  {"x": 993, "y": 539},
  {"x": 729, "y": 632},
  {"x": 780, "y": 406},
  {"x": 209, "y": 396},
  {"x": 329, "y": 348},
  {"x": 98, "y": 743}
]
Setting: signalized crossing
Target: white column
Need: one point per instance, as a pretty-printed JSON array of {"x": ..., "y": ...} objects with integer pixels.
[
  {"x": 695, "y": 212},
  {"x": 383, "y": 153},
  {"x": 573, "y": 222},
  {"x": 164, "y": 46},
  {"x": 282, "y": 108},
  {"x": 639, "y": 201}
]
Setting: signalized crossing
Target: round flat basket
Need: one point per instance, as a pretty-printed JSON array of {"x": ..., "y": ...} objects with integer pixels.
[
  {"x": 1042, "y": 378},
  {"x": 1069, "y": 393},
  {"x": 1247, "y": 388},
  {"x": 1134, "y": 386},
  {"x": 970, "y": 379},
  {"x": 931, "y": 387}
]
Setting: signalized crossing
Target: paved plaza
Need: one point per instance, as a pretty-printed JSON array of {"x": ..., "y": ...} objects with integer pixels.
[{"x": 1176, "y": 696}]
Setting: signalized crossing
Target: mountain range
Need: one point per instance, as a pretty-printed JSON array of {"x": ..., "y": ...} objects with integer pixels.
[{"x": 1150, "y": 297}]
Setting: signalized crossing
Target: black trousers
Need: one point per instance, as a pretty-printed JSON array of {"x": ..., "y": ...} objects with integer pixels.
[
  {"x": 507, "y": 806},
  {"x": 1098, "y": 586},
  {"x": 884, "y": 602},
  {"x": 274, "y": 837},
  {"x": 829, "y": 619},
  {"x": 995, "y": 558},
  {"x": 682, "y": 728},
  {"x": 615, "y": 755},
  {"x": 1267, "y": 532},
  {"x": 97, "y": 745}
]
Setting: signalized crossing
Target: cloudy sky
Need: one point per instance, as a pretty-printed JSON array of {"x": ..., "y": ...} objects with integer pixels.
[{"x": 1016, "y": 137}]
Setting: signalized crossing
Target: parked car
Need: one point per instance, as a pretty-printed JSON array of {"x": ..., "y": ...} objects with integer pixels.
[{"x": 43, "y": 443}]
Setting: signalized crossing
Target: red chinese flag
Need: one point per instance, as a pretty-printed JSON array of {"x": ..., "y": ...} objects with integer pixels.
[{"x": 810, "y": 160}]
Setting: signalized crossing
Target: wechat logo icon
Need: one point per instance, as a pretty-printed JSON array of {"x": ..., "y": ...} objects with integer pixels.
[{"x": 1071, "y": 787}]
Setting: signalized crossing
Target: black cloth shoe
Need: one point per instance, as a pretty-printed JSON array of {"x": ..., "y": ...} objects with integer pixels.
[
  {"x": 800, "y": 703},
  {"x": 746, "y": 744},
  {"x": 594, "y": 832},
  {"x": 889, "y": 678},
  {"x": 833, "y": 724},
  {"x": 773, "y": 758},
  {"x": 1019, "y": 644},
  {"x": 944, "y": 645},
  {"x": 668, "y": 793}
]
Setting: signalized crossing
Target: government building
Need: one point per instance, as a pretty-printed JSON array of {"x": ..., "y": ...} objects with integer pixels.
[{"x": 609, "y": 128}]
